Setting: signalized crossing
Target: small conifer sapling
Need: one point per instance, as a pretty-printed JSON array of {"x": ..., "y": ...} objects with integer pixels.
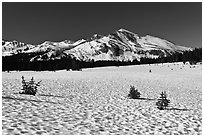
[
  {"x": 29, "y": 87},
  {"x": 133, "y": 93},
  {"x": 162, "y": 103}
]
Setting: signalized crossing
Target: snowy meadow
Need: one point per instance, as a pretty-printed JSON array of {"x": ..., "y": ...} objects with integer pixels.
[{"x": 95, "y": 101}]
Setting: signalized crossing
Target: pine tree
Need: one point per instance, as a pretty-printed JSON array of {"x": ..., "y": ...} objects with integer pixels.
[
  {"x": 133, "y": 93},
  {"x": 30, "y": 87},
  {"x": 162, "y": 102}
]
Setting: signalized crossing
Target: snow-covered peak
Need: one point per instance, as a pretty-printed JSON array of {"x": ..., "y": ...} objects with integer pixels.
[
  {"x": 10, "y": 48},
  {"x": 68, "y": 41},
  {"x": 79, "y": 42},
  {"x": 124, "y": 30},
  {"x": 95, "y": 35},
  {"x": 122, "y": 45},
  {"x": 47, "y": 43}
]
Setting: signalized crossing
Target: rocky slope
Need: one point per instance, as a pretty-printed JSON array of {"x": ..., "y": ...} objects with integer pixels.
[{"x": 121, "y": 45}]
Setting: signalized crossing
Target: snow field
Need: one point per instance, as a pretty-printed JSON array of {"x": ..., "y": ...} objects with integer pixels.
[{"x": 94, "y": 101}]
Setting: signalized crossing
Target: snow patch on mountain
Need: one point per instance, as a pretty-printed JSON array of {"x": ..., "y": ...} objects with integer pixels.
[{"x": 121, "y": 45}]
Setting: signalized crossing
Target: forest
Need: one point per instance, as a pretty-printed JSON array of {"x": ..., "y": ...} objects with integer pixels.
[{"x": 21, "y": 62}]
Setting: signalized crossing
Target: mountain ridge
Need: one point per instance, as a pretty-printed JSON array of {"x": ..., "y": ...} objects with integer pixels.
[{"x": 121, "y": 45}]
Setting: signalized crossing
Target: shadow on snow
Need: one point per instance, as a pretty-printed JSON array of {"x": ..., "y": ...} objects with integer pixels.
[
  {"x": 50, "y": 95},
  {"x": 184, "y": 109},
  {"x": 149, "y": 99},
  {"x": 22, "y": 99}
]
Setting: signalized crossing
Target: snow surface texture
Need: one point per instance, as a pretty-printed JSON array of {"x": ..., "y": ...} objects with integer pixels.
[
  {"x": 94, "y": 101},
  {"x": 121, "y": 45}
]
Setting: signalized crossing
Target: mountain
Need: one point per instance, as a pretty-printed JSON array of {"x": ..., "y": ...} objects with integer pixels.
[
  {"x": 121, "y": 45},
  {"x": 10, "y": 48}
]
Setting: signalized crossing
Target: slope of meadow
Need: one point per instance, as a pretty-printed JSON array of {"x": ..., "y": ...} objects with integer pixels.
[{"x": 94, "y": 101}]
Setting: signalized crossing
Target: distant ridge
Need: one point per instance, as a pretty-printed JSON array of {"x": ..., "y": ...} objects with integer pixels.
[{"x": 121, "y": 45}]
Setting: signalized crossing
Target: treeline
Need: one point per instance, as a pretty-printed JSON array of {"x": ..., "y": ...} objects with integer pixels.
[
  {"x": 191, "y": 56},
  {"x": 22, "y": 62}
]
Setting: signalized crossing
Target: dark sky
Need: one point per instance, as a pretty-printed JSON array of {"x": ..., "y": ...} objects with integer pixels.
[{"x": 180, "y": 23}]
